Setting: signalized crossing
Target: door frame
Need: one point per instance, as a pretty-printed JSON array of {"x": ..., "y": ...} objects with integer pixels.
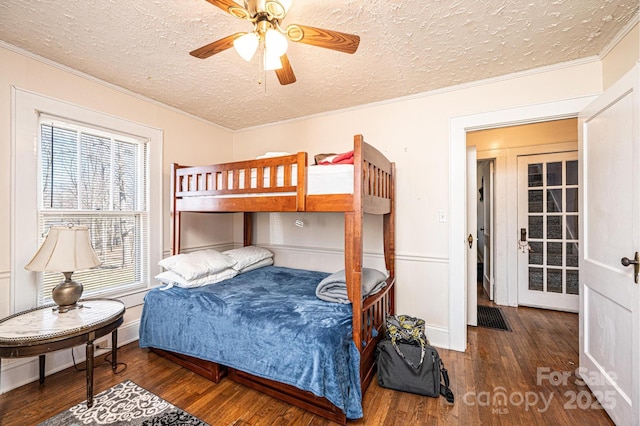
[
  {"x": 472, "y": 228},
  {"x": 458, "y": 127}
]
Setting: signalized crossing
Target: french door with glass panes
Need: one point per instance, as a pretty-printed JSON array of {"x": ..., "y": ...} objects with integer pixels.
[{"x": 548, "y": 231}]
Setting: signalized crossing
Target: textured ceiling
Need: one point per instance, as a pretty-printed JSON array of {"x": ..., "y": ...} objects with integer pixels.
[{"x": 406, "y": 47}]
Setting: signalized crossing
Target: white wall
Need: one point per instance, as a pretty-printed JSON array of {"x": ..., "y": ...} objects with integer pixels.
[
  {"x": 413, "y": 132},
  {"x": 623, "y": 55}
]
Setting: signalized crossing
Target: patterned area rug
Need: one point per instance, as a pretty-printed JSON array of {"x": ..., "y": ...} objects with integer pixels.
[
  {"x": 491, "y": 317},
  {"x": 124, "y": 404}
]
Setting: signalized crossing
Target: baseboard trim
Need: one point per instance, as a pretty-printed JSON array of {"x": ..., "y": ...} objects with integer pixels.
[{"x": 438, "y": 336}]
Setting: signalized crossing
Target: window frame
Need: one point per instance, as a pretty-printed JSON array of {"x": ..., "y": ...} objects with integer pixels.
[
  {"x": 61, "y": 215},
  {"x": 27, "y": 108}
]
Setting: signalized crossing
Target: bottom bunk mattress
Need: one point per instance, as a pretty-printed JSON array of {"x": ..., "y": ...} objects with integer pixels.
[{"x": 267, "y": 322}]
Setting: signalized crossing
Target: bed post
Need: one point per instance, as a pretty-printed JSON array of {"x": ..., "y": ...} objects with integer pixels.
[
  {"x": 353, "y": 270},
  {"x": 353, "y": 244},
  {"x": 174, "y": 222},
  {"x": 247, "y": 229},
  {"x": 389, "y": 235},
  {"x": 301, "y": 185}
]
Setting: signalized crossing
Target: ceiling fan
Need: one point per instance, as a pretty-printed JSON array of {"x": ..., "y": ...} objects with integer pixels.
[{"x": 266, "y": 17}]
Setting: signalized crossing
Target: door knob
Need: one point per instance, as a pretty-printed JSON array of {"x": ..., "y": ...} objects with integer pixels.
[
  {"x": 636, "y": 265},
  {"x": 470, "y": 240}
]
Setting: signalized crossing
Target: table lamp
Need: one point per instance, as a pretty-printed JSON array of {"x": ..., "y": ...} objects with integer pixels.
[{"x": 65, "y": 249}]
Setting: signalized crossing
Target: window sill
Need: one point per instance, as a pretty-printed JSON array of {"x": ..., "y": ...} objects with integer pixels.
[{"x": 130, "y": 297}]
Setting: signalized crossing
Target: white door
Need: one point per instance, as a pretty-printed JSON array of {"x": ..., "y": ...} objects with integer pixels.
[
  {"x": 610, "y": 231},
  {"x": 487, "y": 229},
  {"x": 548, "y": 231},
  {"x": 472, "y": 230}
]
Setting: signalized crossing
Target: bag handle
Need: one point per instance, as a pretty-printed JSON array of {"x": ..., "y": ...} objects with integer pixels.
[
  {"x": 445, "y": 390},
  {"x": 404, "y": 328}
]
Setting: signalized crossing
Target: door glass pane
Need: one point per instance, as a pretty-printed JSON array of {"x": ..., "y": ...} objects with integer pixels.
[
  {"x": 554, "y": 280},
  {"x": 535, "y": 227},
  {"x": 572, "y": 172},
  {"x": 535, "y": 174},
  {"x": 554, "y": 227},
  {"x": 554, "y": 174},
  {"x": 554, "y": 200},
  {"x": 536, "y": 255},
  {"x": 535, "y": 279},
  {"x": 535, "y": 201},
  {"x": 572, "y": 200},
  {"x": 554, "y": 254},
  {"x": 572, "y": 227},
  {"x": 572, "y": 282},
  {"x": 572, "y": 254}
]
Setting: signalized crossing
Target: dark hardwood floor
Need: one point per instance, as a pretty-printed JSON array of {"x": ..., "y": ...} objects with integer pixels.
[{"x": 504, "y": 378}]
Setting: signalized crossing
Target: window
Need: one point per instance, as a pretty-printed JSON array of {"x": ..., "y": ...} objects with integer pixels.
[
  {"x": 71, "y": 164},
  {"x": 95, "y": 178}
]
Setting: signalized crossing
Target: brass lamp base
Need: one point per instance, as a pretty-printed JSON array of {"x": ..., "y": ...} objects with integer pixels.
[{"x": 66, "y": 294}]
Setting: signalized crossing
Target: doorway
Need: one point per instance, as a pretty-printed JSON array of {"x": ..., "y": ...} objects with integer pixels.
[
  {"x": 459, "y": 128},
  {"x": 498, "y": 239}
]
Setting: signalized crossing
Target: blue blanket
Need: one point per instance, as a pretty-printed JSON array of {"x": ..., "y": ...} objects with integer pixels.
[{"x": 267, "y": 322}]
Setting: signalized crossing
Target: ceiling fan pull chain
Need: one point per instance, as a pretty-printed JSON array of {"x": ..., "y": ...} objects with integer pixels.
[{"x": 261, "y": 71}]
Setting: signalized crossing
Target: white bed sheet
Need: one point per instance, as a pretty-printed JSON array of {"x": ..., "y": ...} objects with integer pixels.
[{"x": 336, "y": 179}]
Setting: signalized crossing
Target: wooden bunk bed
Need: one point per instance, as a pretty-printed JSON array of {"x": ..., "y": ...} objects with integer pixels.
[{"x": 279, "y": 184}]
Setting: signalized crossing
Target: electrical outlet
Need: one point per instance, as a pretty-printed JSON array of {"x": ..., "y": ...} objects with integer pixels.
[{"x": 102, "y": 344}]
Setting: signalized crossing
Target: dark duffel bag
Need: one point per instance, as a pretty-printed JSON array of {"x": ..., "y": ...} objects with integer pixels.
[{"x": 410, "y": 375}]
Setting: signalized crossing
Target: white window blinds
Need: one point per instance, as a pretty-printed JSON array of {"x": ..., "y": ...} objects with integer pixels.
[{"x": 96, "y": 178}]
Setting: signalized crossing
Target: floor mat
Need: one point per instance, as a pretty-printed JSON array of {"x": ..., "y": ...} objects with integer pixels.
[{"x": 490, "y": 317}]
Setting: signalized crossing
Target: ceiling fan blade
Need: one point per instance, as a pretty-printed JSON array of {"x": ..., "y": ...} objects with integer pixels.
[
  {"x": 335, "y": 40},
  {"x": 224, "y": 4},
  {"x": 232, "y": 8},
  {"x": 215, "y": 47},
  {"x": 285, "y": 74}
]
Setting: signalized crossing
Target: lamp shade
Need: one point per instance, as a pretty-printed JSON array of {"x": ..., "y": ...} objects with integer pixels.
[
  {"x": 65, "y": 249},
  {"x": 277, "y": 8},
  {"x": 275, "y": 42},
  {"x": 271, "y": 61},
  {"x": 246, "y": 45}
]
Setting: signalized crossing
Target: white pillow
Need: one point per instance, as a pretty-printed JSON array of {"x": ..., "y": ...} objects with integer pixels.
[
  {"x": 248, "y": 255},
  {"x": 197, "y": 264},
  {"x": 259, "y": 264},
  {"x": 171, "y": 278}
]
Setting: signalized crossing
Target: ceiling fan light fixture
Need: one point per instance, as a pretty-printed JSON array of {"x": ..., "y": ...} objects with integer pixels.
[
  {"x": 239, "y": 12},
  {"x": 271, "y": 37},
  {"x": 276, "y": 42},
  {"x": 271, "y": 61},
  {"x": 246, "y": 45},
  {"x": 277, "y": 8}
]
